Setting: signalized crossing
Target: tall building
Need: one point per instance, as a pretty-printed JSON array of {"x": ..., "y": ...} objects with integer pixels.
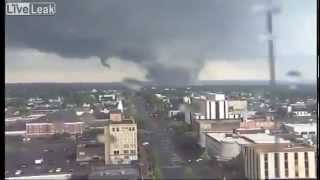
[
  {"x": 120, "y": 141},
  {"x": 214, "y": 107},
  {"x": 280, "y": 161}
]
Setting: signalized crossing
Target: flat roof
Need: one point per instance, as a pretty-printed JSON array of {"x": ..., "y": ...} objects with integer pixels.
[
  {"x": 224, "y": 121},
  {"x": 285, "y": 147},
  {"x": 221, "y": 137},
  {"x": 302, "y": 125},
  {"x": 90, "y": 150},
  {"x": 59, "y": 116},
  {"x": 123, "y": 121},
  {"x": 264, "y": 138}
]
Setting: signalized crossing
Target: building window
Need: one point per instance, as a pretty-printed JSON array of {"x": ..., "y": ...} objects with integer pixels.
[
  {"x": 133, "y": 151},
  {"x": 266, "y": 173},
  {"x": 116, "y": 152},
  {"x": 276, "y": 164},
  {"x": 296, "y": 164},
  {"x": 286, "y": 164},
  {"x": 306, "y": 164},
  {"x": 113, "y": 129},
  {"x": 125, "y": 151},
  {"x": 117, "y": 129},
  {"x": 133, "y": 129}
]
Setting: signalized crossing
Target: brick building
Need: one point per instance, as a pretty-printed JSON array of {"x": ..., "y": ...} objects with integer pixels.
[{"x": 55, "y": 123}]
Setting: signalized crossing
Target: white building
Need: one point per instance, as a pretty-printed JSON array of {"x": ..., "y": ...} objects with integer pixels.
[
  {"x": 202, "y": 127},
  {"x": 302, "y": 129},
  {"x": 264, "y": 138},
  {"x": 108, "y": 98},
  {"x": 216, "y": 107},
  {"x": 298, "y": 109},
  {"x": 187, "y": 100},
  {"x": 224, "y": 146},
  {"x": 121, "y": 145},
  {"x": 120, "y": 106},
  {"x": 173, "y": 113},
  {"x": 279, "y": 161}
]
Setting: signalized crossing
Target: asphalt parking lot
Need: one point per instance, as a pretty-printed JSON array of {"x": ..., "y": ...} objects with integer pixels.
[{"x": 56, "y": 153}]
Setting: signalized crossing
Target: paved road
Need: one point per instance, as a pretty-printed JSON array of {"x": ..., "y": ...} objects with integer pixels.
[
  {"x": 160, "y": 142},
  {"x": 171, "y": 164}
]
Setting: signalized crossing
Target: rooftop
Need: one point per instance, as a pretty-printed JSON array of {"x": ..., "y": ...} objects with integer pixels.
[
  {"x": 264, "y": 138},
  {"x": 123, "y": 121},
  {"x": 86, "y": 152},
  {"x": 59, "y": 116},
  {"x": 223, "y": 137},
  {"x": 286, "y": 147},
  {"x": 115, "y": 111},
  {"x": 305, "y": 125}
]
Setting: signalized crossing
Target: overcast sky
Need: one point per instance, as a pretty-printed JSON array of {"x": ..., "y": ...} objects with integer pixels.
[{"x": 167, "y": 41}]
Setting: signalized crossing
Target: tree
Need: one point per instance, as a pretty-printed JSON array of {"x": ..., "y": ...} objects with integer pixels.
[
  {"x": 205, "y": 155},
  {"x": 189, "y": 173}
]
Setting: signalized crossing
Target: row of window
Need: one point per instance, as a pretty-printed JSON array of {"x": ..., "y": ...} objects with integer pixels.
[
  {"x": 277, "y": 162},
  {"x": 117, "y": 129},
  {"x": 117, "y": 152}
]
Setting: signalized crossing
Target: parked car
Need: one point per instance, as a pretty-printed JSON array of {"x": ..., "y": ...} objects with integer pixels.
[
  {"x": 18, "y": 172},
  {"x": 24, "y": 166},
  {"x": 58, "y": 170}
]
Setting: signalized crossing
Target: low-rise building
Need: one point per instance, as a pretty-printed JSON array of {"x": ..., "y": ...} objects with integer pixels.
[
  {"x": 259, "y": 123},
  {"x": 173, "y": 113},
  {"x": 226, "y": 146},
  {"x": 201, "y": 127},
  {"x": 55, "y": 123},
  {"x": 302, "y": 129},
  {"x": 116, "y": 116}
]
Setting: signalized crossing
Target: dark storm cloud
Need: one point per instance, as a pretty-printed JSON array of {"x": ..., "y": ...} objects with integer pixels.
[{"x": 189, "y": 31}]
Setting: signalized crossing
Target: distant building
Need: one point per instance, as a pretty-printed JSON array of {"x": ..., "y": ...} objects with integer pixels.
[
  {"x": 259, "y": 123},
  {"x": 215, "y": 107},
  {"x": 298, "y": 109},
  {"x": 56, "y": 123},
  {"x": 173, "y": 113},
  {"x": 187, "y": 99},
  {"x": 120, "y": 141},
  {"x": 120, "y": 106},
  {"x": 302, "y": 129},
  {"x": 108, "y": 99},
  {"x": 279, "y": 161}
]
